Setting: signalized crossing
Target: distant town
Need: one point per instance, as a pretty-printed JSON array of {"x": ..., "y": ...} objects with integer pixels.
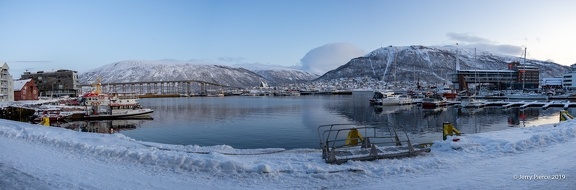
[{"x": 65, "y": 83}]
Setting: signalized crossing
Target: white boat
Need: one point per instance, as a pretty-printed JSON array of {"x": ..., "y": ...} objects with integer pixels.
[
  {"x": 100, "y": 105},
  {"x": 472, "y": 103},
  {"x": 389, "y": 98},
  {"x": 417, "y": 98},
  {"x": 120, "y": 114}
]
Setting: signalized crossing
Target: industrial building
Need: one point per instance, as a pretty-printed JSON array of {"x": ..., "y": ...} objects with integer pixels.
[
  {"x": 58, "y": 83},
  {"x": 516, "y": 77}
]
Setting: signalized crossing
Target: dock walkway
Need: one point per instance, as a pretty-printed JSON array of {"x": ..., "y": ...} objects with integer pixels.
[{"x": 526, "y": 104}]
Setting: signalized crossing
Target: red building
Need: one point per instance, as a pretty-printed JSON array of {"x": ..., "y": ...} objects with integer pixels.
[{"x": 25, "y": 90}]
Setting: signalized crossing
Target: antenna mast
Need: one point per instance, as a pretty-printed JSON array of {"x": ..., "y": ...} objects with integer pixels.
[{"x": 524, "y": 71}]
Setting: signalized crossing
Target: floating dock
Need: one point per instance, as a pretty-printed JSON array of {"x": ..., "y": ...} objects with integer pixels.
[{"x": 543, "y": 104}]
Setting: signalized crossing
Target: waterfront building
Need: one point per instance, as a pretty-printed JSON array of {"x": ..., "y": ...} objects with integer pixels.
[
  {"x": 25, "y": 90},
  {"x": 55, "y": 83},
  {"x": 6, "y": 84},
  {"x": 568, "y": 78},
  {"x": 516, "y": 77},
  {"x": 552, "y": 83}
]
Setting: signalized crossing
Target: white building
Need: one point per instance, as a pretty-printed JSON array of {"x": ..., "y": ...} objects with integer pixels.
[
  {"x": 6, "y": 84},
  {"x": 569, "y": 78},
  {"x": 556, "y": 82}
]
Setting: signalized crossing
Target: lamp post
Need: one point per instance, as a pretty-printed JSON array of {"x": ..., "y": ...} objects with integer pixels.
[{"x": 52, "y": 91}]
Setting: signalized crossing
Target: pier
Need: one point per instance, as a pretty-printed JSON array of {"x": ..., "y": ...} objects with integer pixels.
[
  {"x": 526, "y": 104},
  {"x": 521, "y": 104}
]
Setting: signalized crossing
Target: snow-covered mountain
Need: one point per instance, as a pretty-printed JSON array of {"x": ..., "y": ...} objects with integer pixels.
[
  {"x": 166, "y": 70},
  {"x": 402, "y": 63},
  {"x": 278, "y": 75},
  {"x": 430, "y": 64},
  {"x": 170, "y": 70},
  {"x": 286, "y": 76}
]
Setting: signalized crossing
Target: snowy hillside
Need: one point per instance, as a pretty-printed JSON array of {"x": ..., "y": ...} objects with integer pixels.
[
  {"x": 286, "y": 76},
  {"x": 134, "y": 71},
  {"x": 431, "y": 64},
  {"x": 169, "y": 70},
  {"x": 277, "y": 74}
]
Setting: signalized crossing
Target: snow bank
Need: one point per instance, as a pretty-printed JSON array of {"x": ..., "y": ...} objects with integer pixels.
[{"x": 298, "y": 168}]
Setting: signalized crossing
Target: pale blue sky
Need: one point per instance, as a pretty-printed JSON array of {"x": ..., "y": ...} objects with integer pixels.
[{"x": 85, "y": 34}]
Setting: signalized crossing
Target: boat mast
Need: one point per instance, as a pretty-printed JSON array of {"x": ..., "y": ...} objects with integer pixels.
[
  {"x": 524, "y": 71},
  {"x": 394, "y": 63},
  {"x": 476, "y": 73}
]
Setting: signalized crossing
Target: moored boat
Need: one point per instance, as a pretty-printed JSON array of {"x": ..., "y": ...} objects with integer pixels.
[
  {"x": 389, "y": 98},
  {"x": 53, "y": 114},
  {"x": 431, "y": 103},
  {"x": 100, "y": 105},
  {"x": 120, "y": 114},
  {"x": 472, "y": 103}
]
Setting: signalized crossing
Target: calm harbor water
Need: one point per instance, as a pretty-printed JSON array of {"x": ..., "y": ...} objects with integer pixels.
[{"x": 292, "y": 121}]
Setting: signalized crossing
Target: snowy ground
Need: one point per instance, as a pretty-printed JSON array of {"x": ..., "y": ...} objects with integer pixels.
[{"x": 36, "y": 157}]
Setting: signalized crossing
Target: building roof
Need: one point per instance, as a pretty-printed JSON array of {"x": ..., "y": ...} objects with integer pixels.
[{"x": 19, "y": 84}]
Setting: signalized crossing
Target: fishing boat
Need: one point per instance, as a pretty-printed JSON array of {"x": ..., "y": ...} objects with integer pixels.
[{"x": 100, "y": 105}]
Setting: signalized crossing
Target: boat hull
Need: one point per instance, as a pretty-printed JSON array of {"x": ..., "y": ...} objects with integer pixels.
[{"x": 128, "y": 114}]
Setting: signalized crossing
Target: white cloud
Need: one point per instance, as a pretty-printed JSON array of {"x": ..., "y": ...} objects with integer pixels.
[
  {"x": 231, "y": 59},
  {"x": 471, "y": 41},
  {"x": 330, "y": 56}
]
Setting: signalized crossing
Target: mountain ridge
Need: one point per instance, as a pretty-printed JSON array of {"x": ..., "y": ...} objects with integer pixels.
[
  {"x": 408, "y": 64},
  {"x": 433, "y": 64},
  {"x": 170, "y": 70}
]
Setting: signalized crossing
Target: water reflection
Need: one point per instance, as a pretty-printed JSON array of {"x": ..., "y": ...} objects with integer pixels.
[
  {"x": 102, "y": 126},
  {"x": 426, "y": 124},
  {"x": 291, "y": 122}
]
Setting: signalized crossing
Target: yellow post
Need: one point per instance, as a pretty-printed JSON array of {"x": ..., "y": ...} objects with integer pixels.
[
  {"x": 564, "y": 115},
  {"x": 45, "y": 121},
  {"x": 448, "y": 129}
]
